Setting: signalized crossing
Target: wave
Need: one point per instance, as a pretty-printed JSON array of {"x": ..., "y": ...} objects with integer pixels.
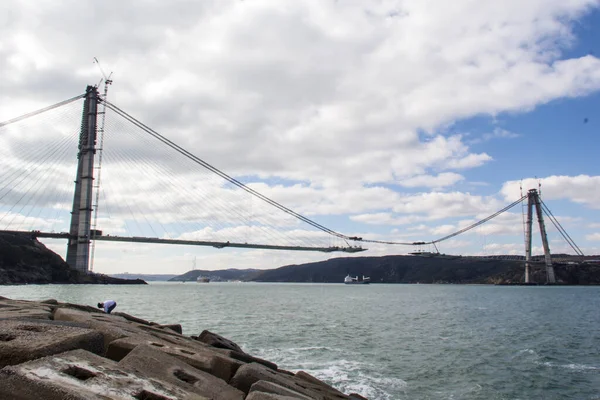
[
  {"x": 575, "y": 367},
  {"x": 356, "y": 377},
  {"x": 538, "y": 360},
  {"x": 336, "y": 368},
  {"x": 528, "y": 354}
]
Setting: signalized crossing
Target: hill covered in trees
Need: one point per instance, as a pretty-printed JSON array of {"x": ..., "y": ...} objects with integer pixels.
[
  {"x": 219, "y": 275},
  {"x": 408, "y": 269},
  {"x": 416, "y": 269}
]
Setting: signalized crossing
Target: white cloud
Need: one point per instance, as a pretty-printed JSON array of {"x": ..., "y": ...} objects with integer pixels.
[
  {"x": 595, "y": 237},
  {"x": 327, "y": 87},
  {"x": 345, "y": 102},
  {"x": 438, "y": 181},
  {"x": 470, "y": 161},
  {"x": 439, "y": 205},
  {"x": 581, "y": 189},
  {"x": 497, "y": 133}
]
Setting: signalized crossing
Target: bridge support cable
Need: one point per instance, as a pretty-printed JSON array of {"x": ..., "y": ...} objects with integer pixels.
[
  {"x": 37, "y": 185},
  {"x": 160, "y": 195},
  {"x": 468, "y": 228},
  {"x": 41, "y": 110},
  {"x": 133, "y": 209},
  {"x": 29, "y": 147},
  {"x": 481, "y": 222},
  {"x": 561, "y": 230},
  {"x": 36, "y": 160},
  {"x": 223, "y": 175},
  {"x": 16, "y": 177},
  {"x": 172, "y": 193}
]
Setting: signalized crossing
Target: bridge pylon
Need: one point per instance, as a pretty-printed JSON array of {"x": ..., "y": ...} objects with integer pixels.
[
  {"x": 78, "y": 247},
  {"x": 533, "y": 199}
]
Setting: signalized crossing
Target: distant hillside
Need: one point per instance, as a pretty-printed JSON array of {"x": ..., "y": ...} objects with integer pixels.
[
  {"x": 24, "y": 260},
  {"x": 146, "y": 277},
  {"x": 216, "y": 276},
  {"x": 414, "y": 269}
]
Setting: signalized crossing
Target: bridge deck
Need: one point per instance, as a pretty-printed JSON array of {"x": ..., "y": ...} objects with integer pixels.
[{"x": 219, "y": 245}]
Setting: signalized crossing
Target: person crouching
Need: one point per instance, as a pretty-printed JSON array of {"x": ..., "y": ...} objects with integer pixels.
[{"x": 108, "y": 305}]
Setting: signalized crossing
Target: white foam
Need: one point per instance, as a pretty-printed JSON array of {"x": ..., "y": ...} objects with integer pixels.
[
  {"x": 349, "y": 377},
  {"x": 528, "y": 353},
  {"x": 576, "y": 367}
]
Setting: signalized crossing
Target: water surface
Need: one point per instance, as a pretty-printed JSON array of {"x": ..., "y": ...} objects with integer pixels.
[{"x": 387, "y": 341}]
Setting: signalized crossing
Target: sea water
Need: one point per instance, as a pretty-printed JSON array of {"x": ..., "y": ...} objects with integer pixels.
[{"x": 387, "y": 341}]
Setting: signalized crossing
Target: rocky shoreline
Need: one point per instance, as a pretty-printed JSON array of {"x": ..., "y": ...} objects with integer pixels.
[
  {"x": 25, "y": 260},
  {"x": 51, "y": 350}
]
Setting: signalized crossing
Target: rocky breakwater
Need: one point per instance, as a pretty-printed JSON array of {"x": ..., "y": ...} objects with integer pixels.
[{"x": 51, "y": 350}]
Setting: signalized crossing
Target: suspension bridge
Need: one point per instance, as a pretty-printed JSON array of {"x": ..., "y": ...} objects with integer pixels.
[{"x": 133, "y": 184}]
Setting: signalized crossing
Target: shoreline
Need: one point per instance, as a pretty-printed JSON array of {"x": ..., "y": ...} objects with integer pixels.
[{"x": 55, "y": 350}]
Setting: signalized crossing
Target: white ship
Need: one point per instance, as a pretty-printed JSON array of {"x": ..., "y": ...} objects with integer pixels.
[{"x": 349, "y": 280}]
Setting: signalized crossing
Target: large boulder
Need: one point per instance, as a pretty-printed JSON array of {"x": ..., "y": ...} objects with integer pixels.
[
  {"x": 219, "y": 341},
  {"x": 200, "y": 357},
  {"x": 248, "y": 374},
  {"x": 80, "y": 375},
  {"x": 153, "y": 362},
  {"x": 22, "y": 340}
]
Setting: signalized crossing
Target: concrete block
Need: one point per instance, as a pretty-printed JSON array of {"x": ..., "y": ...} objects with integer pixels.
[
  {"x": 119, "y": 350},
  {"x": 247, "y": 358},
  {"x": 85, "y": 308},
  {"x": 199, "y": 357},
  {"x": 161, "y": 330},
  {"x": 174, "y": 327},
  {"x": 285, "y": 371},
  {"x": 152, "y": 362},
  {"x": 131, "y": 318},
  {"x": 150, "y": 326},
  {"x": 309, "y": 378},
  {"x": 273, "y": 388},
  {"x": 80, "y": 375},
  {"x": 219, "y": 341},
  {"x": 249, "y": 374},
  {"x": 24, "y": 309},
  {"x": 268, "y": 396},
  {"x": 111, "y": 326},
  {"x": 21, "y": 341},
  {"x": 20, "y": 313},
  {"x": 19, "y": 303},
  {"x": 116, "y": 326},
  {"x": 70, "y": 314}
]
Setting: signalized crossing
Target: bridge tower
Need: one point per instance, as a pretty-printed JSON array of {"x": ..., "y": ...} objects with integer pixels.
[
  {"x": 533, "y": 199},
  {"x": 78, "y": 247}
]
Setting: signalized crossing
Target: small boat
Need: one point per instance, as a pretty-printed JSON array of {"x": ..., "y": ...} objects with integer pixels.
[
  {"x": 349, "y": 280},
  {"x": 203, "y": 279}
]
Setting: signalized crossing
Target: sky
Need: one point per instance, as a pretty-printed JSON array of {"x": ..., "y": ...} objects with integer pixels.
[{"x": 390, "y": 120}]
